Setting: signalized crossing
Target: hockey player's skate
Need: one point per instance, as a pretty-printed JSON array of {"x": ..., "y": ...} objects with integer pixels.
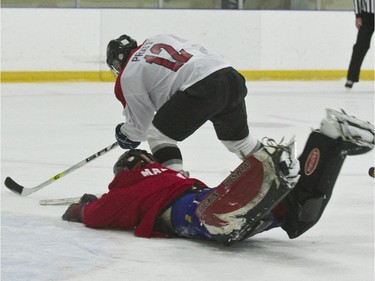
[
  {"x": 357, "y": 135},
  {"x": 240, "y": 206}
]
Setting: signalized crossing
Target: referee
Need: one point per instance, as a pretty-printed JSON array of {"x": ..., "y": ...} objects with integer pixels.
[{"x": 364, "y": 13}]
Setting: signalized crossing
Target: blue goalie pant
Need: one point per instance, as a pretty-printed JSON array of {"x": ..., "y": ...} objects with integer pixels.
[{"x": 184, "y": 221}]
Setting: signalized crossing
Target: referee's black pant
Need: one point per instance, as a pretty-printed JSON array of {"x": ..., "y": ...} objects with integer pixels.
[{"x": 361, "y": 46}]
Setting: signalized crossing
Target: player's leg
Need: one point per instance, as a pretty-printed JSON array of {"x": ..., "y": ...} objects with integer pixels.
[
  {"x": 232, "y": 129},
  {"x": 321, "y": 161},
  {"x": 230, "y": 122},
  {"x": 360, "y": 48},
  {"x": 164, "y": 149},
  {"x": 177, "y": 119}
]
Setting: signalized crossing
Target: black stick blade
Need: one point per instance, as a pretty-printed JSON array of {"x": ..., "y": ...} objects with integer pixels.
[{"x": 13, "y": 186}]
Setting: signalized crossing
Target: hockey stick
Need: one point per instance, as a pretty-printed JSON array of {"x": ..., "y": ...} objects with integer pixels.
[{"x": 23, "y": 191}]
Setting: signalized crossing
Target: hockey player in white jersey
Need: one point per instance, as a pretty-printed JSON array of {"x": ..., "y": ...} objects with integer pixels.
[{"x": 169, "y": 87}]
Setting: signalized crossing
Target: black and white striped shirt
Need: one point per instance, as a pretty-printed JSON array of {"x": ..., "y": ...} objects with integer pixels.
[{"x": 363, "y": 6}]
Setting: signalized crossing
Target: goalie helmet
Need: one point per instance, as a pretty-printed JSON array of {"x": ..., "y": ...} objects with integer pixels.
[
  {"x": 118, "y": 51},
  {"x": 133, "y": 159}
]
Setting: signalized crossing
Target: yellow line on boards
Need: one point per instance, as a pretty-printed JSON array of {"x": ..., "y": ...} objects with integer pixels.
[
  {"x": 254, "y": 75},
  {"x": 55, "y": 76},
  {"x": 106, "y": 76}
]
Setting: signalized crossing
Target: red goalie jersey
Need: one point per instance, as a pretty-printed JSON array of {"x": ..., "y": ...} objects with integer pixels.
[{"x": 136, "y": 198}]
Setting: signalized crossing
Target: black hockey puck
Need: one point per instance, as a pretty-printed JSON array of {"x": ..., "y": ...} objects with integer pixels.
[{"x": 371, "y": 172}]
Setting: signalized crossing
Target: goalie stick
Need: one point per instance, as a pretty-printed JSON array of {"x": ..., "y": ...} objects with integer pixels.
[
  {"x": 23, "y": 191},
  {"x": 62, "y": 201}
]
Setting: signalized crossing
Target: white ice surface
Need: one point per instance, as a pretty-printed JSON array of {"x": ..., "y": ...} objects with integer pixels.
[{"x": 47, "y": 128}]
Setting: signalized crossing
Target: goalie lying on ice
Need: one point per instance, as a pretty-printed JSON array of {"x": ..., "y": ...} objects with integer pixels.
[{"x": 271, "y": 188}]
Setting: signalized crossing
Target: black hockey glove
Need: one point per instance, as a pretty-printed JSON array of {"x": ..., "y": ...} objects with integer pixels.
[{"x": 123, "y": 141}]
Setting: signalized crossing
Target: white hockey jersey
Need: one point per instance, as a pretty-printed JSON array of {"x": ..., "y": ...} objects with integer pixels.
[{"x": 161, "y": 66}]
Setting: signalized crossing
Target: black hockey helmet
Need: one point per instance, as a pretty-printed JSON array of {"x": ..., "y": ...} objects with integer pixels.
[
  {"x": 118, "y": 51},
  {"x": 133, "y": 159}
]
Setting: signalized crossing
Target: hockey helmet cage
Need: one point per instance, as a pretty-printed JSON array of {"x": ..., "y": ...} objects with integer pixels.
[
  {"x": 133, "y": 159},
  {"x": 118, "y": 51}
]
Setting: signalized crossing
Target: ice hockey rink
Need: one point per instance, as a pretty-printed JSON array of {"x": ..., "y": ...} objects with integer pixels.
[{"x": 48, "y": 127}]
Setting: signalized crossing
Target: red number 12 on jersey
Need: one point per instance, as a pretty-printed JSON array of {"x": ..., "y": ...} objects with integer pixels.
[{"x": 180, "y": 57}]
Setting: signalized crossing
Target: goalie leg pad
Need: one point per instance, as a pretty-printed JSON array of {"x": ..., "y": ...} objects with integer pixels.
[
  {"x": 321, "y": 162},
  {"x": 241, "y": 205}
]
